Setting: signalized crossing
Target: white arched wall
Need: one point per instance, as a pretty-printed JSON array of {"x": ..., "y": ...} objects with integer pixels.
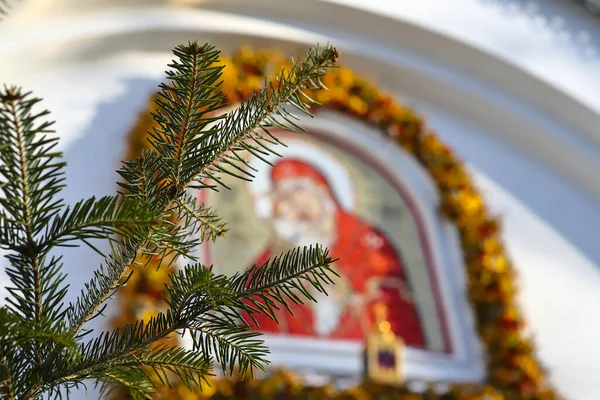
[{"x": 532, "y": 148}]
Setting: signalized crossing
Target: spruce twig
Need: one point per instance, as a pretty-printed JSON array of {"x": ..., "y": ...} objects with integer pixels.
[{"x": 44, "y": 347}]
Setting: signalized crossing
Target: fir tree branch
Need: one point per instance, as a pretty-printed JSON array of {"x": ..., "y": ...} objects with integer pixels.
[
  {"x": 52, "y": 289},
  {"x": 7, "y": 323},
  {"x": 97, "y": 219},
  {"x": 30, "y": 167},
  {"x": 188, "y": 148},
  {"x": 32, "y": 179},
  {"x": 110, "y": 348},
  {"x": 106, "y": 281},
  {"x": 99, "y": 354},
  {"x": 113, "y": 346},
  {"x": 6, "y": 387},
  {"x": 9, "y": 233},
  {"x": 137, "y": 383},
  {"x": 21, "y": 339},
  {"x": 194, "y": 293},
  {"x": 190, "y": 367},
  {"x": 144, "y": 179},
  {"x": 218, "y": 150},
  {"x": 195, "y": 290},
  {"x": 193, "y": 83},
  {"x": 261, "y": 288},
  {"x": 181, "y": 134},
  {"x": 197, "y": 294},
  {"x": 16, "y": 332},
  {"x": 25, "y": 196},
  {"x": 158, "y": 235},
  {"x": 201, "y": 219},
  {"x": 118, "y": 269},
  {"x": 115, "y": 274},
  {"x": 230, "y": 343}
]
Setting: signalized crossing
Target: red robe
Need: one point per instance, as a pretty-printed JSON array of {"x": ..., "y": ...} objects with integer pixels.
[{"x": 364, "y": 254}]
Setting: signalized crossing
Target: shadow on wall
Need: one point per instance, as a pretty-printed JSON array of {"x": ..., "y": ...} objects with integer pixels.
[
  {"x": 583, "y": 32},
  {"x": 91, "y": 164}
]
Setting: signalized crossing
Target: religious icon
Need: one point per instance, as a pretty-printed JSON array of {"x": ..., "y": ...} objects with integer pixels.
[
  {"x": 305, "y": 211},
  {"x": 371, "y": 213},
  {"x": 317, "y": 193}
]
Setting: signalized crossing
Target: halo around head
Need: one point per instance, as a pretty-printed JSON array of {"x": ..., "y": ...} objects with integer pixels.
[{"x": 336, "y": 174}]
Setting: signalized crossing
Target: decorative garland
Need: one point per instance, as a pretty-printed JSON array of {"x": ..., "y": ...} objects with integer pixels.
[{"x": 513, "y": 371}]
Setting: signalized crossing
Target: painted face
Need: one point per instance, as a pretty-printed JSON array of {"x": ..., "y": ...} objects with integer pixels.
[
  {"x": 299, "y": 201},
  {"x": 301, "y": 211}
]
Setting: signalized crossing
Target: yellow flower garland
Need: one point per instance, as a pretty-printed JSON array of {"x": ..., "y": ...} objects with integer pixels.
[{"x": 513, "y": 371}]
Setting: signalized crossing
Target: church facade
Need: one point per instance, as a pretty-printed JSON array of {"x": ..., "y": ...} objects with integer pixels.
[{"x": 453, "y": 167}]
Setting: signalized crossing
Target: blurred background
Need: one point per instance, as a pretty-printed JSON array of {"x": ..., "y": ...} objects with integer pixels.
[{"x": 510, "y": 86}]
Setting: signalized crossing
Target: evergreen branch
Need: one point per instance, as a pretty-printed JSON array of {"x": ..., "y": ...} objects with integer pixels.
[
  {"x": 171, "y": 240},
  {"x": 109, "y": 348},
  {"x": 97, "y": 219},
  {"x": 201, "y": 219},
  {"x": 6, "y": 386},
  {"x": 112, "y": 349},
  {"x": 21, "y": 341},
  {"x": 144, "y": 178},
  {"x": 106, "y": 281},
  {"x": 181, "y": 129},
  {"x": 261, "y": 288},
  {"x": 218, "y": 149},
  {"x": 190, "y": 367},
  {"x": 46, "y": 335},
  {"x": 185, "y": 105},
  {"x": 190, "y": 146},
  {"x": 7, "y": 325},
  {"x": 19, "y": 168},
  {"x": 195, "y": 290},
  {"x": 114, "y": 345},
  {"x": 134, "y": 379},
  {"x": 193, "y": 293},
  {"x": 230, "y": 343},
  {"x": 130, "y": 375},
  {"x": 9, "y": 233},
  {"x": 33, "y": 178},
  {"x": 51, "y": 289},
  {"x": 51, "y": 338},
  {"x": 163, "y": 238}
]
